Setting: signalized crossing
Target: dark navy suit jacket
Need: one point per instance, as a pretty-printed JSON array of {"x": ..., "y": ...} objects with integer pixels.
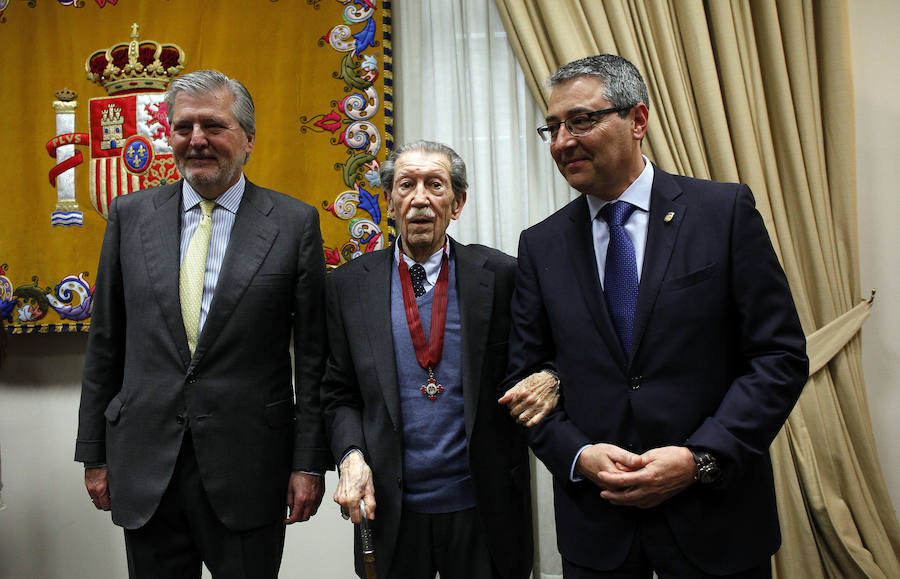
[{"x": 718, "y": 361}]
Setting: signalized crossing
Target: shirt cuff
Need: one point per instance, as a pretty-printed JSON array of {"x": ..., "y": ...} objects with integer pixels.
[
  {"x": 348, "y": 453},
  {"x": 572, "y": 476}
]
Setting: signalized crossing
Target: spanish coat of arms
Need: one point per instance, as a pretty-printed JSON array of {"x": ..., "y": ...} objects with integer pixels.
[{"x": 128, "y": 128}]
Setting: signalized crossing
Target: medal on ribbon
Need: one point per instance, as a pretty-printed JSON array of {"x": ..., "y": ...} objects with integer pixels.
[
  {"x": 427, "y": 354},
  {"x": 431, "y": 389}
]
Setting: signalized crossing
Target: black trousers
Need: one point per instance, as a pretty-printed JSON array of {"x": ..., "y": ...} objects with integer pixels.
[
  {"x": 654, "y": 550},
  {"x": 452, "y": 544},
  {"x": 185, "y": 532}
]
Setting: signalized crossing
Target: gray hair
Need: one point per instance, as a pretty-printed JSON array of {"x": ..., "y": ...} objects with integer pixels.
[
  {"x": 457, "y": 165},
  {"x": 623, "y": 85},
  {"x": 202, "y": 82}
]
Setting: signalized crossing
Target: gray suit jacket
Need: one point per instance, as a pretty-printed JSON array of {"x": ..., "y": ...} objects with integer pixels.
[
  {"x": 141, "y": 388},
  {"x": 362, "y": 405}
]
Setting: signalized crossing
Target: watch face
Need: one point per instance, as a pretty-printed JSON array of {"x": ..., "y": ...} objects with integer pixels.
[
  {"x": 709, "y": 472},
  {"x": 707, "y": 468}
]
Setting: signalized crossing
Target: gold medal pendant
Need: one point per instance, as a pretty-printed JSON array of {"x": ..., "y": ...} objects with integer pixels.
[{"x": 431, "y": 389}]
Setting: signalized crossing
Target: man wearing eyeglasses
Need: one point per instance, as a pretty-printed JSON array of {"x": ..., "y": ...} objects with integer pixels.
[{"x": 662, "y": 305}]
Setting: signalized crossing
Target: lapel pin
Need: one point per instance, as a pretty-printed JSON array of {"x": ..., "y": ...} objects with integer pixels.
[{"x": 669, "y": 216}]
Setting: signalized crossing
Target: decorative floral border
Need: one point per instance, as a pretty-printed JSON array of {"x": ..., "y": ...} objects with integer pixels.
[{"x": 350, "y": 123}]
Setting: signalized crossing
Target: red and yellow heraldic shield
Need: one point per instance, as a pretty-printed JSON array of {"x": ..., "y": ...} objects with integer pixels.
[{"x": 129, "y": 150}]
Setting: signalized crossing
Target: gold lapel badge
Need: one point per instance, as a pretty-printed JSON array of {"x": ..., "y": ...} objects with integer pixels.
[{"x": 669, "y": 216}]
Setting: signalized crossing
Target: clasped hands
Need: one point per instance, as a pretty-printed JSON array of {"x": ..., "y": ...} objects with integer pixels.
[{"x": 637, "y": 480}]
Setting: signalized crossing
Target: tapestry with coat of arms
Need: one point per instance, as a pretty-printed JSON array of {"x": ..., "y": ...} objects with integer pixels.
[{"x": 84, "y": 120}]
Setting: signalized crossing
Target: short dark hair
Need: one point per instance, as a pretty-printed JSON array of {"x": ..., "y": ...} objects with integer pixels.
[
  {"x": 623, "y": 85},
  {"x": 457, "y": 165}
]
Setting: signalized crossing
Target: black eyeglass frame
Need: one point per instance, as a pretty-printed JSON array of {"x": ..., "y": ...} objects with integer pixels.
[{"x": 547, "y": 131}]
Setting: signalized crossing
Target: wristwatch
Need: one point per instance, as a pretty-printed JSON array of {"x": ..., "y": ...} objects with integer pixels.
[{"x": 708, "y": 470}]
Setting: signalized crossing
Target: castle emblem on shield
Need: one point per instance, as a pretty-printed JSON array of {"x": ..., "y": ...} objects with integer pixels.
[{"x": 128, "y": 128}]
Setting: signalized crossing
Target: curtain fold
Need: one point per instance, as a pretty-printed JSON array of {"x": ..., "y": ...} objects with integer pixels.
[
  {"x": 457, "y": 82},
  {"x": 761, "y": 93},
  {"x": 826, "y": 342}
]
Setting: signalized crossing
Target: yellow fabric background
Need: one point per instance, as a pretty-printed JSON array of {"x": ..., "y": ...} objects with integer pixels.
[{"x": 278, "y": 49}]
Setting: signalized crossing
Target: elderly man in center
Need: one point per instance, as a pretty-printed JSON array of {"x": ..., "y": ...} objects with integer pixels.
[{"x": 418, "y": 349}]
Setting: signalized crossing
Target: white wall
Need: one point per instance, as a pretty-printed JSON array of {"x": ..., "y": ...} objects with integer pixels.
[
  {"x": 876, "y": 52},
  {"x": 50, "y": 529}
]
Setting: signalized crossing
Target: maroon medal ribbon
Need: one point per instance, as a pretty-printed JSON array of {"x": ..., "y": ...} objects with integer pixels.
[{"x": 427, "y": 354}]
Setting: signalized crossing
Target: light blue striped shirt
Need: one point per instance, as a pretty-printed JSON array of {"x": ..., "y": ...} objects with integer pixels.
[{"x": 222, "y": 221}]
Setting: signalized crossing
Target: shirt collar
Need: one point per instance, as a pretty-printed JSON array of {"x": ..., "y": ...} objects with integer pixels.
[
  {"x": 638, "y": 193},
  {"x": 230, "y": 199},
  {"x": 432, "y": 265}
]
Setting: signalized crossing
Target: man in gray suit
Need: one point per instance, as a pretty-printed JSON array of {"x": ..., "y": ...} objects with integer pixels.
[
  {"x": 415, "y": 422},
  {"x": 190, "y": 428}
]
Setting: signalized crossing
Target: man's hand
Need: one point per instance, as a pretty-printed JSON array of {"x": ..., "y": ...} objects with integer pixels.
[
  {"x": 599, "y": 459},
  {"x": 665, "y": 472},
  {"x": 531, "y": 399},
  {"x": 304, "y": 496},
  {"x": 95, "y": 480},
  {"x": 355, "y": 484}
]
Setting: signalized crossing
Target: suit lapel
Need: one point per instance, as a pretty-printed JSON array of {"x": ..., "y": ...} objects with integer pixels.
[
  {"x": 580, "y": 246},
  {"x": 376, "y": 286},
  {"x": 161, "y": 239},
  {"x": 475, "y": 285},
  {"x": 251, "y": 239},
  {"x": 661, "y": 236}
]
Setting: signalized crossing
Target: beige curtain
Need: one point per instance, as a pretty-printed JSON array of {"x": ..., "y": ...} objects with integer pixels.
[{"x": 761, "y": 92}]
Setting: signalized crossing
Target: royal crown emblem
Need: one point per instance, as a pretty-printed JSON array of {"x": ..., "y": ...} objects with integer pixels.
[
  {"x": 129, "y": 130},
  {"x": 139, "y": 65}
]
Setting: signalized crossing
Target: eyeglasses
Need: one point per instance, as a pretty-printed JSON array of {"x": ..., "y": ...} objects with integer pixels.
[{"x": 578, "y": 125}]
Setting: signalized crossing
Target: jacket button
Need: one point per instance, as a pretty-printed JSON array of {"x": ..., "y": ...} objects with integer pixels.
[
  {"x": 635, "y": 382},
  {"x": 191, "y": 379},
  {"x": 179, "y": 419}
]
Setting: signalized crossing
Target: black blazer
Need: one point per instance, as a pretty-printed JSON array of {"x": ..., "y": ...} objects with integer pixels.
[
  {"x": 141, "y": 388},
  {"x": 718, "y": 361},
  {"x": 362, "y": 405}
]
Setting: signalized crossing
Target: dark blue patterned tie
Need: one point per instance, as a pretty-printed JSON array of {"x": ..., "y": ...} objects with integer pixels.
[
  {"x": 620, "y": 279},
  {"x": 417, "y": 276}
]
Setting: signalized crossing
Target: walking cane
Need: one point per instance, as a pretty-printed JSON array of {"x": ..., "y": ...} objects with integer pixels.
[{"x": 368, "y": 543}]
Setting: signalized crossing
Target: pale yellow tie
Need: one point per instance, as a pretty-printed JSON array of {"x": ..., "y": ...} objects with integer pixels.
[{"x": 193, "y": 272}]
